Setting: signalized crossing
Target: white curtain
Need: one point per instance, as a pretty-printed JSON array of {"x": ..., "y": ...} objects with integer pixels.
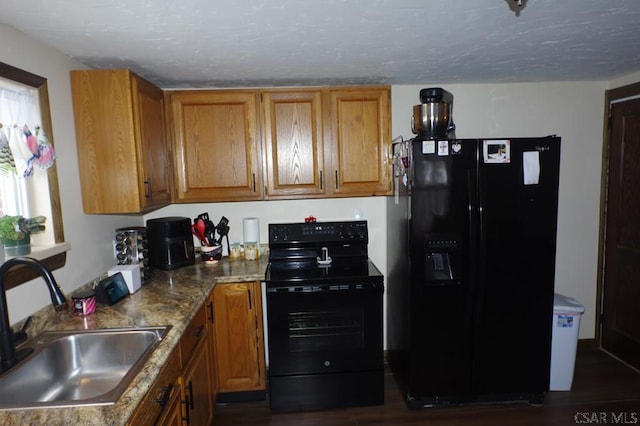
[{"x": 19, "y": 106}]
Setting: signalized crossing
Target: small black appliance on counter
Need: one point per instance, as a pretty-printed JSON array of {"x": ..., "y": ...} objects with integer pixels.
[{"x": 170, "y": 242}]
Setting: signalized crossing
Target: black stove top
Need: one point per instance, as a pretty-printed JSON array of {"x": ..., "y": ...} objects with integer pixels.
[
  {"x": 342, "y": 270},
  {"x": 319, "y": 252}
]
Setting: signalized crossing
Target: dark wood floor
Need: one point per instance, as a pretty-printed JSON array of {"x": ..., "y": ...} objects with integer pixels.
[{"x": 604, "y": 391}]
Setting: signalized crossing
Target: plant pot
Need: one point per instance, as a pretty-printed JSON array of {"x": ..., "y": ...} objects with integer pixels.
[{"x": 17, "y": 247}]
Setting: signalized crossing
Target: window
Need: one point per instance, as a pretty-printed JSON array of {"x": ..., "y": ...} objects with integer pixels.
[
  {"x": 22, "y": 173},
  {"x": 38, "y": 194}
]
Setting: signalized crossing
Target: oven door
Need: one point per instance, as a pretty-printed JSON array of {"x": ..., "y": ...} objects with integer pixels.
[{"x": 324, "y": 328}]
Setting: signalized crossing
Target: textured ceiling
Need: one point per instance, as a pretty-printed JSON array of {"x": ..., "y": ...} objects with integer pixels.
[{"x": 203, "y": 43}]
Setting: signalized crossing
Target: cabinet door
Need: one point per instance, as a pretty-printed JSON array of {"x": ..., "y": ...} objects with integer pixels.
[
  {"x": 358, "y": 141},
  {"x": 112, "y": 143},
  {"x": 211, "y": 341},
  {"x": 216, "y": 145},
  {"x": 197, "y": 387},
  {"x": 105, "y": 141},
  {"x": 292, "y": 124},
  {"x": 163, "y": 398},
  {"x": 172, "y": 414},
  {"x": 153, "y": 152},
  {"x": 239, "y": 337}
]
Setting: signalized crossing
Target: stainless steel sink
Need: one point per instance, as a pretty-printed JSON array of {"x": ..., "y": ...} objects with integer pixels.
[{"x": 73, "y": 368}]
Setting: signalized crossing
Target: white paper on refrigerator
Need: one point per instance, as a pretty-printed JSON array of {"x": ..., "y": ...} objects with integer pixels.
[{"x": 531, "y": 167}]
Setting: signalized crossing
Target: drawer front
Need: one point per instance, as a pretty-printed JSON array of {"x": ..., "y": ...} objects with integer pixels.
[
  {"x": 195, "y": 332},
  {"x": 160, "y": 393}
]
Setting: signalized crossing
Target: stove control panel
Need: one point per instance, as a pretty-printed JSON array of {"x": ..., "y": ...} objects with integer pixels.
[{"x": 355, "y": 231}]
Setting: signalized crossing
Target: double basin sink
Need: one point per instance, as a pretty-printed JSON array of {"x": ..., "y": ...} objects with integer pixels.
[{"x": 78, "y": 368}]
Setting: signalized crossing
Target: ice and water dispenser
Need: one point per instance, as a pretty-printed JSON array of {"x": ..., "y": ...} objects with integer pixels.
[{"x": 441, "y": 259}]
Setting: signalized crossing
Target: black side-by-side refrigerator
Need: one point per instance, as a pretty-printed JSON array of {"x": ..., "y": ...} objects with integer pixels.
[{"x": 481, "y": 259}]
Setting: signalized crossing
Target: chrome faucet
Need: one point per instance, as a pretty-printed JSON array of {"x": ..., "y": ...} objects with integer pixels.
[{"x": 8, "y": 356}]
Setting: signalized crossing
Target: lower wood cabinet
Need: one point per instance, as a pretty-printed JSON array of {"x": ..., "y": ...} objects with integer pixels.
[
  {"x": 220, "y": 353},
  {"x": 210, "y": 308},
  {"x": 196, "y": 388},
  {"x": 197, "y": 402},
  {"x": 183, "y": 394},
  {"x": 162, "y": 401},
  {"x": 172, "y": 413},
  {"x": 239, "y": 339}
]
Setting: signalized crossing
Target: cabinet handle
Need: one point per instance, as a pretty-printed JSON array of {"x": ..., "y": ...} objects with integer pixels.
[
  {"x": 210, "y": 306},
  {"x": 190, "y": 398},
  {"x": 166, "y": 394},
  {"x": 254, "y": 182},
  {"x": 336, "y": 179},
  {"x": 185, "y": 402},
  {"x": 249, "y": 296},
  {"x": 321, "y": 180},
  {"x": 149, "y": 193}
]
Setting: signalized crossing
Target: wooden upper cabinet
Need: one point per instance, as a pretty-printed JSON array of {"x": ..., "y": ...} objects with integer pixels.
[
  {"x": 293, "y": 143},
  {"x": 153, "y": 150},
  {"x": 123, "y": 154},
  {"x": 216, "y": 145},
  {"x": 357, "y": 140}
]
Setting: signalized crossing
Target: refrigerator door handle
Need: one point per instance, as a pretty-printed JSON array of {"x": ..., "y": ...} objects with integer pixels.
[
  {"x": 473, "y": 211},
  {"x": 481, "y": 227},
  {"x": 481, "y": 244}
]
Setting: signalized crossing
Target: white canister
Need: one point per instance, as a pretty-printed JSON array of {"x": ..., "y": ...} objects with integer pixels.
[{"x": 251, "y": 232}]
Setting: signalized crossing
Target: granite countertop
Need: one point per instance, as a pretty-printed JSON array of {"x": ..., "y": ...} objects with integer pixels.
[{"x": 168, "y": 298}]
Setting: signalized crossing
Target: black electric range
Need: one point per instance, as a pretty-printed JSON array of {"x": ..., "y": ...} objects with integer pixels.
[{"x": 324, "y": 317}]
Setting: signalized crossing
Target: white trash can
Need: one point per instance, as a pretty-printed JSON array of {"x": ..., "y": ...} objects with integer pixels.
[{"x": 564, "y": 341}]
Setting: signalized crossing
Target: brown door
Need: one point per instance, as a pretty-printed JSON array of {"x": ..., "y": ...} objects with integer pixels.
[{"x": 621, "y": 293}]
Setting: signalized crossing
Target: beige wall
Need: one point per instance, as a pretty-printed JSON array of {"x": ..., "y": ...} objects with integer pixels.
[
  {"x": 624, "y": 80},
  {"x": 372, "y": 209},
  {"x": 572, "y": 110},
  {"x": 90, "y": 236}
]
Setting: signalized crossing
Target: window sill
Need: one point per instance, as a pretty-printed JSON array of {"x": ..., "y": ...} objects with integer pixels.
[
  {"x": 53, "y": 256},
  {"x": 42, "y": 251}
]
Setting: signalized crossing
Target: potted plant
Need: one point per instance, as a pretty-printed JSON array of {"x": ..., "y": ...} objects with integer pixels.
[{"x": 15, "y": 233}]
